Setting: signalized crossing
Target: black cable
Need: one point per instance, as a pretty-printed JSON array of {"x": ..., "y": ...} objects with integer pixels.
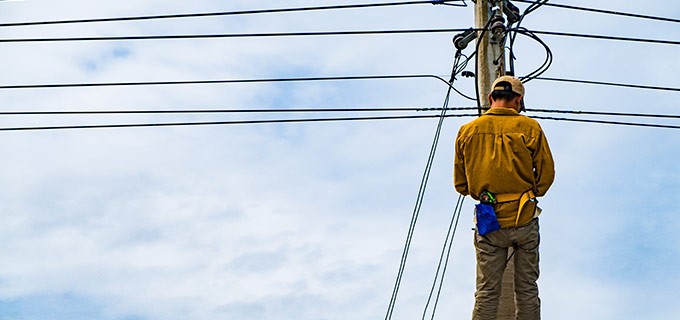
[
  {"x": 235, "y": 122},
  {"x": 448, "y": 244},
  {"x": 626, "y": 14},
  {"x": 234, "y": 35},
  {"x": 649, "y": 125},
  {"x": 323, "y": 110},
  {"x": 421, "y": 191},
  {"x": 602, "y": 37},
  {"x": 338, "y": 78},
  {"x": 609, "y": 84},
  {"x": 194, "y": 111},
  {"x": 239, "y": 122},
  {"x": 229, "y": 13},
  {"x": 223, "y": 81},
  {"x": 607, "y": 113},
  {"x": 513, "y": 35},
  {"x": 460, "y": 69},
  {"x": 323, "y": 33},
  {"x": 548, "y": 59},
  {"x": 446, "y": 263}
]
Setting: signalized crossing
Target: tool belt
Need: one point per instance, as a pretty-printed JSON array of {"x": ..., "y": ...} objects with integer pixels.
[{"x": 523, "y": 198}]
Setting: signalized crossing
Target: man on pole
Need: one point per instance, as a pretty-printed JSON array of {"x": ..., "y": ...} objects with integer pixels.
[{"x": 503, "y": 160}]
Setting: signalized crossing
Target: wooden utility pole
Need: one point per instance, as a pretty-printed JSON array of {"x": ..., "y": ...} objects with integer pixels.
[
  {"x": 491, "y": 65},
  {"x": 490, "y": 46}
]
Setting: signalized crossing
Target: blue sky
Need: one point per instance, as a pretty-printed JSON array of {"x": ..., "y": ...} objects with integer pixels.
[{"x": 307, "y": 221}]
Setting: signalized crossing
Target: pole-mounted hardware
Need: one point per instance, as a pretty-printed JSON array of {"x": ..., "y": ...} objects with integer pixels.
[{"x": 461, "y": 40}]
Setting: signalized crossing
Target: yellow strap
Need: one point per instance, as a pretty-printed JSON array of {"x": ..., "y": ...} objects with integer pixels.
[
  {"x": 522, "y": 197},
  {"x": 526, "y": 197},
  {"x": 507, "y": 197}
]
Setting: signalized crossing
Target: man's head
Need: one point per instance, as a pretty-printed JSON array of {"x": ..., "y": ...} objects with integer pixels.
[{"x": 507, "y": 92}]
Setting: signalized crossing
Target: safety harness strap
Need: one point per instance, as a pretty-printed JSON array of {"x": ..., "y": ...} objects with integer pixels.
[{"x": 522, "y": 197}]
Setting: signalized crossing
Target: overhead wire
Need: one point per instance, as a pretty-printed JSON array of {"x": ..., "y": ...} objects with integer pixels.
[
  {"x": 607, "y": 113},
  {"x": 231, "y": 35},
  {"x": 325, "y": 110},
  {"x": 227, "y": 81},
  {"x": 441, "y": 271},
  {"x": 620, "y": 123},
  {"x": 342, "y": 119},
  {"x": 316, "y": 34},
  {"x": 605, "y": 37},
  {"x": 548, "y": 59},
  {"x": 222, "y": 123},
  {"x": 421, "y": 190},
  {"x": 610, "y": 12},
  {"x": 604, "y": 83},
  {"x": 301, "y": 79},
  {"x": 198, "y": 111},
  {"x": 513, "y": 35},
  {"x": 232, "y": 13}
]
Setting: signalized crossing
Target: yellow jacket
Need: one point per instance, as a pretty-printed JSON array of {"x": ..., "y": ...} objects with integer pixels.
[{"x": 503, "y": 152}]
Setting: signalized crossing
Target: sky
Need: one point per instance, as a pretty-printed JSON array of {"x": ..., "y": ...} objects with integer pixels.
[{"x": 308, "y": 221}]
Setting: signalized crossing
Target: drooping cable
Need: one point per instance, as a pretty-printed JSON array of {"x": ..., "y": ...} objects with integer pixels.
[
  {"x": 448, "y": 244},
  {"x": 421, "y": 192},
  {"x": 548, "y": 59},
  {"x": 513, "y": 34},
  {"x": 231, "y": 13}
]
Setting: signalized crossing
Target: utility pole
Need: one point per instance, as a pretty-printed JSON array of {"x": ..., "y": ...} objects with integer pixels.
[
  {"x": 491, "y": 65},
  {"x": 490, "y": 47}
]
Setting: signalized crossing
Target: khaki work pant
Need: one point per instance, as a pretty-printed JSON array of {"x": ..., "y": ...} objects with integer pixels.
[{"x": 492, "y": 254}]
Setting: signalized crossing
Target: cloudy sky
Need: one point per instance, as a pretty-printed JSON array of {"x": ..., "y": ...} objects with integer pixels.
[{"x": 308, "y": 221}]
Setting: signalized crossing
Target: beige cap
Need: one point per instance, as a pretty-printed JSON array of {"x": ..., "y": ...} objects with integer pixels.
[{"x": 515, "y": 86}]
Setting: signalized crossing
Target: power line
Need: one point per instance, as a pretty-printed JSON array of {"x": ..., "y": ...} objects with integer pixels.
[
  {"x": 222, "y": 81},
  {"x": 448, "y": 245},
  {"x": 607, "y": 113},
  {"x": 603, "y": 37},
  {"x": 234, "y": 35},
  {"x": 198, "y": 111},
  {"x": 649, "y": 125},
  {"x": 513, "y": 35},
  {"x": 337, "y": 119},
  {"x": 235, "y": 122},
  {"x": 423, "y": 185},
  {"x": 229, "y": 13},
  {"x": 323, "y": 110},
  {"x": 626, "y": 14},
  {"x": 315, "y": 34},
  {"x": 225, "y": 81},
  {"x": 638, "y": 86},
  {"x": 301, "y": 79},
  {"x": 548, "y": 55}
]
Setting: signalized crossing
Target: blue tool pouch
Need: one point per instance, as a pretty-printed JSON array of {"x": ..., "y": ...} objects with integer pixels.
[{"x": 487, "y": 221}]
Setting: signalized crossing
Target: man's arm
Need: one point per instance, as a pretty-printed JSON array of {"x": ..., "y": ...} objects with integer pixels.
[
  {"x": 459, "y": 176},
  {"x": 544, "y": 166}
]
